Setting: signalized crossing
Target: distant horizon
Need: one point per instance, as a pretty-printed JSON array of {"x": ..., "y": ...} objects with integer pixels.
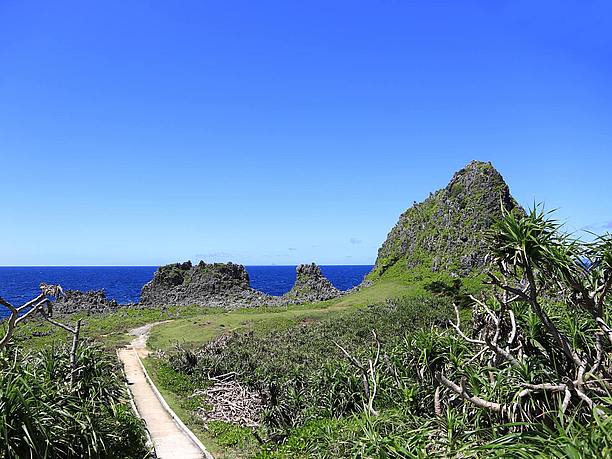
[
  {"x": 153, "y": 266},
  {"x": 124, "y": 283}
]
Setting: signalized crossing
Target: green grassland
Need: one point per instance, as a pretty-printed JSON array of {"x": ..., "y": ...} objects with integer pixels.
[{"x": 193, "y": 326}]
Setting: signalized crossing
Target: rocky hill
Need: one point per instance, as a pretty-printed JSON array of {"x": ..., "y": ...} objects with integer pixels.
[
  {"x": 310, "y": 285},
  {"x": 446, "y": 231},
  {"x": 204, "y": 284}
]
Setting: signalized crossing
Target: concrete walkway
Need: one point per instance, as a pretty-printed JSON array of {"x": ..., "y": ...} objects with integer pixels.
[{"x": 171, "y": 440}]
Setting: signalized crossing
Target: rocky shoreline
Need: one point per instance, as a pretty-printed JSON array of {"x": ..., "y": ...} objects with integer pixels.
[
  {"x": 91, "y": 302},
  {"x": 222, "y": 285}
]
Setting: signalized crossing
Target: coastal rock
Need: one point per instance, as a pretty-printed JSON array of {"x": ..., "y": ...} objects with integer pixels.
[
  {"x": 205, "y": 284},
  {"x": 310, "y": 285},
  {"x": 227, "y": 285},
  {"x": 92, "y": 302},
  {"x": 446, "y": 232}
]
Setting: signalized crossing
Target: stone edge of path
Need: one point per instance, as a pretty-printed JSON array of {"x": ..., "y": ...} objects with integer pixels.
[
  {"x": 139, "y": 344},
  {"x": 172, "y": 414},
  {"x": 149, "y": 443}
]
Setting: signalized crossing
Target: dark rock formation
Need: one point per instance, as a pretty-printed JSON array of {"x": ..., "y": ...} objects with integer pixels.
[
  {"x": 227, "y": 285},
  {"x": 93, "y": 301},
  {"x": 310, "y": 285},
  {"x": 215, "y": 284},
  {"x": 446, "y": 231}
]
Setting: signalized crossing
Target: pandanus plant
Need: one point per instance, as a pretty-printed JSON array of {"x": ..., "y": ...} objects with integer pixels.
[{"x": 543, "y": 326}]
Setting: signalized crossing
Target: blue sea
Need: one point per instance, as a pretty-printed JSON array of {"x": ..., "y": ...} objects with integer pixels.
[{"x": 123, "y": 283}]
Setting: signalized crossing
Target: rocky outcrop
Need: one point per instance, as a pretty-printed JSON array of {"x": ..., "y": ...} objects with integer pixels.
[
  {"x": 310, "y": 285},
  {"x": 215, "y": 284},
  {"x": 446, "y": 231},
  {"x": 227, "y": 285},
  {"x": 93, "y": 301}
]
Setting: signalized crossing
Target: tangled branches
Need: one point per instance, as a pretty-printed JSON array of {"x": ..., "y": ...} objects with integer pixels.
[
  {"x": 539, "y": 267},
  {"x": 230, "y": 401}
]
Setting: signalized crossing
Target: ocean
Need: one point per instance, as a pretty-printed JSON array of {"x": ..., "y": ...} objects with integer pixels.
[{"x": 123, "y": 283}]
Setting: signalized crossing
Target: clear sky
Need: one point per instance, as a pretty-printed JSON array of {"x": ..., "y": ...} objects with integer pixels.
[{"x": 279, "y": 132}]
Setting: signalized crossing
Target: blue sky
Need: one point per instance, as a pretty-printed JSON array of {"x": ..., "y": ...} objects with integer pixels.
[{"x": 279, "y": 132}]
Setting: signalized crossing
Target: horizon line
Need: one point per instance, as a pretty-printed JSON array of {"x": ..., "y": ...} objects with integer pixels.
[{"x": 156, "y": 266}]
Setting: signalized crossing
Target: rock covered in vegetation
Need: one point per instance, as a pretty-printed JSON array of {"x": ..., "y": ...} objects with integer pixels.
[
  {"x": 310, "y": 285},
  {"x": 446, "y": 231},
  {"x": 93, "y": 301},
  {"x": 204, "y": 284}
]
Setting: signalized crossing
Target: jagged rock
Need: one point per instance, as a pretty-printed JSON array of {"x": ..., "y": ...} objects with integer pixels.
[
  {"x": 215, "y": 284},
  {"x": 310, "y": 285},
  {"x": 93, "y": 301},
  {"x": 446, "y": 231},
  {"x": 227, "y": 285}
]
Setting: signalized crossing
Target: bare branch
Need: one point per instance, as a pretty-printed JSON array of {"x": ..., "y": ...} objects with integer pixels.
[
  {"x": 352, "y": 359},
  {"x": 494, "y": 347},
  {"x": 59, "y": 324},
  {"x": 10, "y": 323},
  {"x": 32, "y": 310},
  {"x": 566, "y": 400},
  {"x": 599, "y": 356},
  {"x": 513, "y": 332},
  {"x": 604, "y": 327},
  {"x": 457, "y": 327},
  {"x": 531, "y": 388},
  {"x": 15, "y": 318},
  {"x": 368, "y": 373},
  {"x": 437, "y": 404},
  {"x": 73, "y": 350},
  {"x": 479, "y": 402}
]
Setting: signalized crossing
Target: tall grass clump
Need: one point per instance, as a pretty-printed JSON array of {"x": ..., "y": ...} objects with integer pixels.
[{"x": 44, "y": 415}]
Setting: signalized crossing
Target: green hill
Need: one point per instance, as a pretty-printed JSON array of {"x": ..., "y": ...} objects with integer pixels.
[{"x": 445, "y": 232}]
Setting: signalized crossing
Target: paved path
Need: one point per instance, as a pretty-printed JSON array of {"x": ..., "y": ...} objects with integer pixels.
[{"x": 170, "y": 441}]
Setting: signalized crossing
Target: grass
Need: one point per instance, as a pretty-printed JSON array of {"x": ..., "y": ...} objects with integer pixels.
[
  {"x": 109, "y": 329},
  {"x": 194, "y": 331},
  {"x": 197, "y": 329},
  {"x": 194, "y": 325}
]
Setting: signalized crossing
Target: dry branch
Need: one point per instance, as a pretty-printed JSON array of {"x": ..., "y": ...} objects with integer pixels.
[
  {"x": 21, "y": 313},
  {"x": 368, "y": 373},
  {"x": 230, "y": 402}
]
